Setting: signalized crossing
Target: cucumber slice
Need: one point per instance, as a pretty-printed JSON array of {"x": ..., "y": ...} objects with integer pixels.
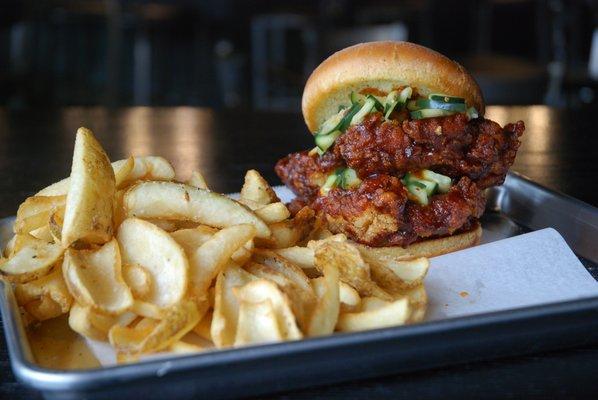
[
  {"x": 355, "y": 98},
  {"x": 418, "y": 193},
  {"x": 439, "y": 105},
  {"x": 445, "y": 98},
  {"x": 377, "y": 103},
  {"x": 349, "y": 179},
  {"x": 367, "y": 108},
  {"x": 331, "y": 183},
  {"x": 444, "y": 182},
  {"x": 472, "y": 113},
  {"x": 405, "y": 94},
  {"x": 392, "y": 99},
  {"x": 396, "y": 100},
  {"x": 429, "y": 186},
  {"x": 332, "y": 124},
  {"x": 412, "y": 105},
  {"x": 325, "y": 141},
  {"x": 429, "y": 113}
]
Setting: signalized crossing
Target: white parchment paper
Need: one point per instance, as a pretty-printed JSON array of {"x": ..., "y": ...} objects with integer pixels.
[{"x": 526, "y": 270}]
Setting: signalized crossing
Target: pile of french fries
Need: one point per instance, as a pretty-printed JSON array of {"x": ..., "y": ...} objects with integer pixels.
[{"x": 145, "y": 262}]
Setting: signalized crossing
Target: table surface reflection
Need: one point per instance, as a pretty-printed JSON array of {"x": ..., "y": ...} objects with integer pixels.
[{"x": 559, "y": 150}]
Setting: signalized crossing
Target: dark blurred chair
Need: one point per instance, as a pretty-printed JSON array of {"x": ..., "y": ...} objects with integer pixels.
[
  {"x": 504, "y": 78},
  {"x": 281, "y": 61},
  {"x": 283, "y": 53},
  {"x": 334, "y": 40}
]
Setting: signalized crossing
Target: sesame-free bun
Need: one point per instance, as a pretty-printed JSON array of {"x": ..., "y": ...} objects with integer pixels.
[
  {"x": 383, "y": 66},
  {"x": 430, "y": 247}
]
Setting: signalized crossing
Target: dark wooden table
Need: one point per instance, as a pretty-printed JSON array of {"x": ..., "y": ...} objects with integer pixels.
[{"x": 560, "y": 151}]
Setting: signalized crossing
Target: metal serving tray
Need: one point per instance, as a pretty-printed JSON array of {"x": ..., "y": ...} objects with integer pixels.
[{"x": 516, "y": 207}]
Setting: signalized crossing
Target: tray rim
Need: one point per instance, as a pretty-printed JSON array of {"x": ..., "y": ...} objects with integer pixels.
[{"x": 57, "y": 380}]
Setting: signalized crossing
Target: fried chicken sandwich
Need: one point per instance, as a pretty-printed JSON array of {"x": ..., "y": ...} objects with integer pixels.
[{"x": 402, "y": 151}]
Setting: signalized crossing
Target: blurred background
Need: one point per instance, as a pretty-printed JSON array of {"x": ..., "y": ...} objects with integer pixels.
[{"x": 258, "y": 54}]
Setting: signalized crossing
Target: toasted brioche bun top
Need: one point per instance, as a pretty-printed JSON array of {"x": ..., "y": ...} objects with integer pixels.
[{"x": 383, "y": 66}]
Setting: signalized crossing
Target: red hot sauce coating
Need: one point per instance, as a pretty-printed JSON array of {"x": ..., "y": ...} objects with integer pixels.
[{"x": 475, "y": 153}]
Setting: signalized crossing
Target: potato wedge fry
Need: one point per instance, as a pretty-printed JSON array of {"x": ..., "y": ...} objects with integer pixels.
[
  {"x": 122, "y": 170},
  {"x": 89, "y": 202},
  {"x": 44, "y": 308},
  {"x": 119, "y": 209},
  {"x": 284, "y": 266},
  {"x": 152, "y": 168},
  {"x": 301, "y": 301},
  {"x": 394, "y": 275},
  {"x": 386, "y": 315},
  {"x": 24, "y": 240},
  {"x": 256, "y": 189},
  {"x": 288, "y": 233},
  {"x": 138, "y": 279},
  {"x": 55, "y": 225},
  {"x": 80, "y": 321},
  {"x": 209, "y": 259},
  {"x": 34, "y": 212},
  {"x": 349, "y": 298},
  {"x": 373, "y": 303},
  {"x": 43, "y": 233},
  {"x": 257, "y": 324},
  {"x": 148, "y": 310},
  {"x": 261, "y": 290},
  {"x": 33, "y": 260},
  {"x": 162, "y": 257},
  {"x": 164, "y": 224},
  {"x": 226, "y": 305},
  {"x": 192, "y": 239},
  {"x": 51, "y": 285},
  {"x": 174, "y": 201},
  {"x": 302, "y": 257},
  {"x": 94, "y": 278},
  {"x": 178, "y": 320},
  {"x": 145, "y": 167},
  {"x": 353, "y": 270},
  {"x": 197, "y": 180},
  {"x": 202, "y": 329},
  {"x": 104, "y": 322},
  {"x": 9, "y": 249},
  {"x": 60, "y": 188},
  {"x": 418, "y": 300},
  {"x": 325, "y": 314},
  {"x": 181, "y": 347},
  {"x": 273, "y": 213}
]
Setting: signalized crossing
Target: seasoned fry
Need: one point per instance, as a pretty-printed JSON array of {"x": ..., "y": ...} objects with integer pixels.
[
  {"x": 212, "y": 256},
  {"x": 226, "y": 305},
  {"x": 31, "y": 261},
  {"x": 197, "y": 180},
  {"x": 170, "y": 200},
  {"x": 143, "y": 243},
  {"x": 94, "y": 278},
  {"x": 257, "y": 190},
  {"x": 35, "y": 212},
  {"x": 90, "y": 200},
  {"x": 273, "y": 213},
  {"x": 379, "y": 315},
  {"x": 353, "y": 270},
  {"x": 261, "y": 290}
]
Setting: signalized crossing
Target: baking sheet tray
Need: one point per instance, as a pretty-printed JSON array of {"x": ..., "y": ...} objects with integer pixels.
[{"x": 518, "y": 206}]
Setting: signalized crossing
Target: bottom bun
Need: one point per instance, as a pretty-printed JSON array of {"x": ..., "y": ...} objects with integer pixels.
[{"x": 431, "y": 247}]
